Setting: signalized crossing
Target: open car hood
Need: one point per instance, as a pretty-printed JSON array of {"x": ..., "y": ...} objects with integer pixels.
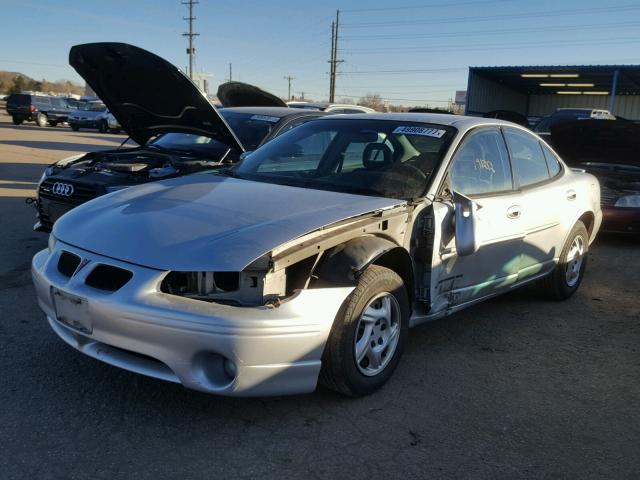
[
  {"x": 603, "y": 141},
  {"x": 147, "y": 94},
  {"x": 238, "y": 94}
]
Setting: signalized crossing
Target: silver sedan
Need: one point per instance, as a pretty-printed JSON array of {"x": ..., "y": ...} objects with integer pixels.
[{"x": 310, "y": 259}]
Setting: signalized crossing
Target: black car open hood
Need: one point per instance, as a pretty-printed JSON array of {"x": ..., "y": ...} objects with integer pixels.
[
  {"x": 603, "y": 141},
  {"x": 238, "y": 94},
  {"x": 147, "y": 94}
]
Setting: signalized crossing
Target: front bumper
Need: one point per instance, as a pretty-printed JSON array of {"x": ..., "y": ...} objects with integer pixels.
[
  {"x": 272, "y": 351},
  {"x": 621, "y": 220},
  {"x": 82, "y": 123}
]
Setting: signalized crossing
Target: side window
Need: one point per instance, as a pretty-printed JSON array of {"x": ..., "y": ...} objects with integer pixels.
[
  {"x": 529, "y": 164},
  {"x": 481, "y": 165},
  {"x": 552, "y": 161}
]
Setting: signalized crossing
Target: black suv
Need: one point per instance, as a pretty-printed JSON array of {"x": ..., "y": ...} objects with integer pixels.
[{"x": 42, "y": 109}]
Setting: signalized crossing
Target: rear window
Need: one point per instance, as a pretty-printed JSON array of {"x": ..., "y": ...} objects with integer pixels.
[
  {"x": 529, "y": 163},
  {"x": 552, "y": 161},
  {"x": 42, "y": 101}
]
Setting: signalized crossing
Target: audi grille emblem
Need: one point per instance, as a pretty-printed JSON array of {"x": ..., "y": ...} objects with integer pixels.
[{"x": 62, "y": 189}]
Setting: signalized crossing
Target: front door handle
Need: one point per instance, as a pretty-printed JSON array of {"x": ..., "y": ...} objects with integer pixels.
[
  {"x": 571, "y": 195},
  {"x": 514, "y": 211}
]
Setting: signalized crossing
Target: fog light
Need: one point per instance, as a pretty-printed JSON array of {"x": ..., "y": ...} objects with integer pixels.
[{"x": 230, "y": 368}]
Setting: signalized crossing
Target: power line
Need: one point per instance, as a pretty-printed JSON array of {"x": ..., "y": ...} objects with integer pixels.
[
  {"x": 438, "y": 4},
  {"x": 494, "y": 46},
  {"x": 468, "y": 33},
  {"x": 416, "y": 70},
  {"x": 481, "y": 18}
]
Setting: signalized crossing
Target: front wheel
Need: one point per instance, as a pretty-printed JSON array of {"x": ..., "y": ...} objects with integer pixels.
[
  {"x": 75, "y": 128},
  {"x": 17, "y": 121},
  {"x": 42, "y": 120},
  {"x": 565, "y": 279},
  {"x": 103, "y": 127},
  {"x": 368, "y": 335}
]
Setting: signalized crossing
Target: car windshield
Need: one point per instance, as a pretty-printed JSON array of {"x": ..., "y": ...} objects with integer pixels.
[
  {"x": 189, "y": 143},
  {"x": 93, "y": 107},
  {"x": 251, "y": 129},
  {"x": 369, "y": 157}
]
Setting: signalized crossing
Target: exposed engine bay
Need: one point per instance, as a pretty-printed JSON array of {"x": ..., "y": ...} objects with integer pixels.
[
  {"x": 137, "y": 164},
  {"x": 70, "y": 183}
]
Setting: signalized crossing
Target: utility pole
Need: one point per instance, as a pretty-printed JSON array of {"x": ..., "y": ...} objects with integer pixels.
[
  {"x": 335, "y": 29},
  {"x": 191, "y": 50},
  {"x": 289, "y": 78},
  {"x": 332, "y": 60},
  {"x": 230, "y": 72}
]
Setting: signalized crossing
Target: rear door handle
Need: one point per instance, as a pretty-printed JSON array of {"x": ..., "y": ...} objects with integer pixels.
[
  {"x": 514, "y": 211},
  {"x": 571, "y": 195}
]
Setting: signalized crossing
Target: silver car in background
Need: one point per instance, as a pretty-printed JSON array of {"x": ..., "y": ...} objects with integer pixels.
[{"x": 311, "y": 259}]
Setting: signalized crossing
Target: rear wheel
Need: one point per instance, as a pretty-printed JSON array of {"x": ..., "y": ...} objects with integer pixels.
[
  {"x": 565, "y": 279},
  {"x": 17, "y": 121},
  {"x": 53, "y": 124},
  {"x": 42, "y": 120},
  {"x": 368, "y": 335}
]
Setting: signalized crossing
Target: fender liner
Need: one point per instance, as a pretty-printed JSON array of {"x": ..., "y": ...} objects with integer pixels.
[{"x": 344, "y": 263}]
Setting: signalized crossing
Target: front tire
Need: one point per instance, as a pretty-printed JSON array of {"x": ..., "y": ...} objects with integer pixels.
[
  {"x": 75, "y": 128},
  {"x": 103, "y": 127},
  {"x": 368, "y": 335},
  {"x": 42, "y": 120},
  {"x": 567, "y": 276}
]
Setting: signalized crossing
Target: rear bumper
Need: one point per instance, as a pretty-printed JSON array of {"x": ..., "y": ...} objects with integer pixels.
[
  {"x": 621, "y": 220},
  {"x": 215, "y": 348}
]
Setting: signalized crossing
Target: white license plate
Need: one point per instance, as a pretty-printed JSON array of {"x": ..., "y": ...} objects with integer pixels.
[{"x": 71, "y": 310}]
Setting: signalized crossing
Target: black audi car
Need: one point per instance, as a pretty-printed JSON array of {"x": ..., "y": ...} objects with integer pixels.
[{"x": 177, "y": 130}]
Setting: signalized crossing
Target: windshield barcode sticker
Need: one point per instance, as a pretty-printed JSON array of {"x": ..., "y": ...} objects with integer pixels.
[
  {"x": 427, "y": 132},
  {"x": 265, "y": 118}
]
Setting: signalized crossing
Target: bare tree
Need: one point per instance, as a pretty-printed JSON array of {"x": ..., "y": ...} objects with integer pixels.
[{"x": 372, "y": 100}]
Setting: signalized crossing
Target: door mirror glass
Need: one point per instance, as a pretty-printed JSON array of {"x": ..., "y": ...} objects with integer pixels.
[{"x": 465, "y": 224}]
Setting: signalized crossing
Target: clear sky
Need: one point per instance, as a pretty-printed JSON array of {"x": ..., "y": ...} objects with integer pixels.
[{"x": 411, "y": 52}]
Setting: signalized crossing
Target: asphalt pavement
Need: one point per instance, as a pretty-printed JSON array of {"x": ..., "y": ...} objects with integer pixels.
[{"x": 517, "y": 387}]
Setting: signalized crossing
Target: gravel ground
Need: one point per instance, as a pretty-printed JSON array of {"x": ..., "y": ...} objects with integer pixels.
[{"x": 518, "y": 387}]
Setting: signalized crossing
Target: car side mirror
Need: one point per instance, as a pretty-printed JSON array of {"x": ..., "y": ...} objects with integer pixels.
[
  {"x": 244, "y": 155},
  {"x": 465, "y": 224}
]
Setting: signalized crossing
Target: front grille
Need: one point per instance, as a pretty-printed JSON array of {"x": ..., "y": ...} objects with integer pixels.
[
  {"x": 608, "y": 197},
  {"x": 109, "y": 278},
  {"x": 81, "y": 192},
  {"x": 67, "y": 263}
]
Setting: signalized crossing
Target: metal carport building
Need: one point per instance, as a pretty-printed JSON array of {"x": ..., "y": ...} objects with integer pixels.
[{"x": 538, "y": 91}]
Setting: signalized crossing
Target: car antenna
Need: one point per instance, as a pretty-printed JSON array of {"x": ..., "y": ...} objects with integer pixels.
[{"x": 125, "y": 141}]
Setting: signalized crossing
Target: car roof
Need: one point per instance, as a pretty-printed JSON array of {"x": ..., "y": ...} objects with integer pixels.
[
  {"x": 461, "y": 122},
  {"x": 272, "y": 111}
]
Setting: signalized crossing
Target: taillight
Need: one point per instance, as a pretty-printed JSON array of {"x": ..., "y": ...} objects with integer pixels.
[{"x": 32, "y": 108}]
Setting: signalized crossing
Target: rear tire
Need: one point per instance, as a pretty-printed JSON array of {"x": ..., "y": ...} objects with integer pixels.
[
  {"x": 42, "y": 120},
  {"x": 372, "y": 325},
  {"x": 567, "y": 276},
  {"x": 17, "y": 121},
  {"x": 53, "y": 124}
]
